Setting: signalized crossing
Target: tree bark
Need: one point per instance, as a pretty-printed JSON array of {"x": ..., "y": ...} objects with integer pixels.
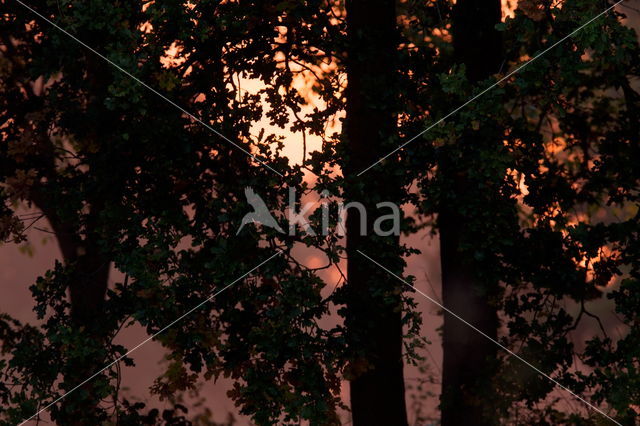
[
  {"x": 468, "y": 357},
  {"x": 373, "y": 325},
  {"x": 88, "y": 283},
  {"x": 89, "y": 273}
]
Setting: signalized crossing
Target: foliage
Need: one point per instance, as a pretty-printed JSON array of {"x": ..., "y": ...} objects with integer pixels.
[{"x": 125, "y": 177}]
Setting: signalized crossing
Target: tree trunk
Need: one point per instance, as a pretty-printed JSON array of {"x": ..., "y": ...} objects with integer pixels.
[
  {"x": 468, "y": 357},
  {"x": 88, "y": 278},
  {"x": 87, "y": 294},
  {"x": 87, "y": 290},
  {"x": 373, "y": 322}
]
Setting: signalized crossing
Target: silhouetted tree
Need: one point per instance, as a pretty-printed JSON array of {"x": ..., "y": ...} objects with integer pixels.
[{"x": 532, "y": 187}]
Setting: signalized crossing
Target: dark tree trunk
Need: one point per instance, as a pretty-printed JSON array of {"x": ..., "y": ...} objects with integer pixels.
[
  {"x": 374, "y": 325},
  {"x": 87, "y": 290},
  {"x": 468, "y": 357},
  {"x": 89, "y": 274}
]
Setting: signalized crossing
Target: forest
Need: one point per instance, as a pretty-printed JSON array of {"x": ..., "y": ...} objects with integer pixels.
[{"x": 320, "y": 212}]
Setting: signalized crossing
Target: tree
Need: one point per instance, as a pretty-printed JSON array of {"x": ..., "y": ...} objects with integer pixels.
[
  {"x": 468, "y": 357},
  {"x": 93, "y": 150},
  {"x": 539, "y": 153},
  {"x": 533, "y": 188},
  {"x": 374, "y": 304},
  {"x": 68, "y": 122}
]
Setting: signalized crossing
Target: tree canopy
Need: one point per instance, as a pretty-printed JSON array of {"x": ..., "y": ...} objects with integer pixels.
[{"x": 129, "y": 128}]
